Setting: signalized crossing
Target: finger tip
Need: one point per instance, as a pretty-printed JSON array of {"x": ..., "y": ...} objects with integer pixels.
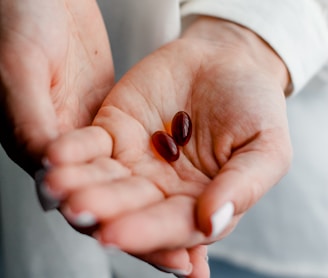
[
  {"x": 176, "y": 272},
  {"x": 46, "y": 200},
  {"x": 82, "y": 219},
  {"x": 221, "y": 218},
  {"x": 212, "y": 221},
  {"x": 46, "y": 163},
  {"x": 203, "y": 219}
]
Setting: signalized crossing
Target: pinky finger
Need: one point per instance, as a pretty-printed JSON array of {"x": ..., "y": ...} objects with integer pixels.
[
  {"x": 199, "y": 260},
  {"x": 171, "y": 261}
]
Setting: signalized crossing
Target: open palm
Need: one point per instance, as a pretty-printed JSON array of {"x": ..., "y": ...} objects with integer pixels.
[{"x": 238, "y": 150}]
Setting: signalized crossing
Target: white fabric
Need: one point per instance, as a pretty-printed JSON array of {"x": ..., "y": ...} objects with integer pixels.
[{"x": 295, "y": 29}]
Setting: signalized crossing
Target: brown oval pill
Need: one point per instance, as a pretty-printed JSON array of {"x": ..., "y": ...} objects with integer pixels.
[
  {"x": 181, "y": 128},
  {"x": 165, "y": 146}
]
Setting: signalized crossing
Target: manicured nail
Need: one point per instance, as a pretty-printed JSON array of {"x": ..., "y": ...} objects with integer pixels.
[
  {"x": 109, "y": 248},
  {"x": 46, "y": 163},
  {"x": 177, "y": 272},
  {"x": 85, "y": 219},
  {"x": 39, "y": 176},
  {"x": 80, "y": 219},
  {"x": 221, "y": 218},
  {"x": 46, "y": 199}
]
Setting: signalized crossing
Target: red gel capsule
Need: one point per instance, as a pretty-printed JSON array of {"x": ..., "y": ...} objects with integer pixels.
[
  {"x": 165, "y": 146},
  {"x": 181, "y": 128}
]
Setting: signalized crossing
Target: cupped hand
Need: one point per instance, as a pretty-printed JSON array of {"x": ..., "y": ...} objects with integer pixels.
[
  {"x": 232, "y": 88},
  {"x": 55, "y": 70}
]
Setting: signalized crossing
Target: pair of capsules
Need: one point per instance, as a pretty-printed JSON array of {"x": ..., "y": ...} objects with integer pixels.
[{"x": 168, "y": 146}]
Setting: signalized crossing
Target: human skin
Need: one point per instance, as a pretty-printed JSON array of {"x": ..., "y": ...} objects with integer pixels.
[
  {"x": 232, "y": 84},
  {"x": 55, "y": 70}
]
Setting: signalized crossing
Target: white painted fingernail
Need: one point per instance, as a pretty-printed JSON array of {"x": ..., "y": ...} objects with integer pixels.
[
  {"x": 46, "y": 163},
  {"x": 39, "y": 175},
  {"x": 46, "y": 199},
  {"x": 81, "y": 219},
  {"x": 176, "y": 272},
  {"x": 221, "y": 219},
  {"x": 85, "y": 219},
  {"x": 109, "y": 248},
  {"x": 47, "y": 191}
]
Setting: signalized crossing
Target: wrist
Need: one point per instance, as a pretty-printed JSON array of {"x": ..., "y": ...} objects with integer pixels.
[{"x": 244, "y": 42}]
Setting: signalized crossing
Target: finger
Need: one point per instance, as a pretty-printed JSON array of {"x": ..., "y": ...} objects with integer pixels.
[
  {"x": 79, "y": 146},
  {"x": 239, "y": 184},
  {"x": 171, "y": 261},
  {"x": 164, "y": 225},
  {"x": 130, "y": 137},
  {"x": 62, "y": 181},
  {"x": 28, "y": 115},
  {"x": 199, "y": 260},
  {"x": 108, "y": 201}
]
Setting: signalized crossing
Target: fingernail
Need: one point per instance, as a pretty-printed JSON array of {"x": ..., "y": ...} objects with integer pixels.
[
  {"x": 177, "y": 272},
  {"x": 46, "y": 200},
  {"x": 46, "y": 163},
  {"x": 85, "y": 219},
  {"x": 109, "y": 248},
  {"x": 221, "y": 218},
  {"x": 39, "y": 176},
  {"x": 81, "y": 219}
]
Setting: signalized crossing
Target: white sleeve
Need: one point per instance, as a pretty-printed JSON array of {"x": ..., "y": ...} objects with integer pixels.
[{"x": 296, "y": 30}]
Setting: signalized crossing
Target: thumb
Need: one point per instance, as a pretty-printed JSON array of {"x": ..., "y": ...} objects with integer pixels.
[
  {"x": 239, "y": 185},
  {"x": 28, "y": 118}
]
